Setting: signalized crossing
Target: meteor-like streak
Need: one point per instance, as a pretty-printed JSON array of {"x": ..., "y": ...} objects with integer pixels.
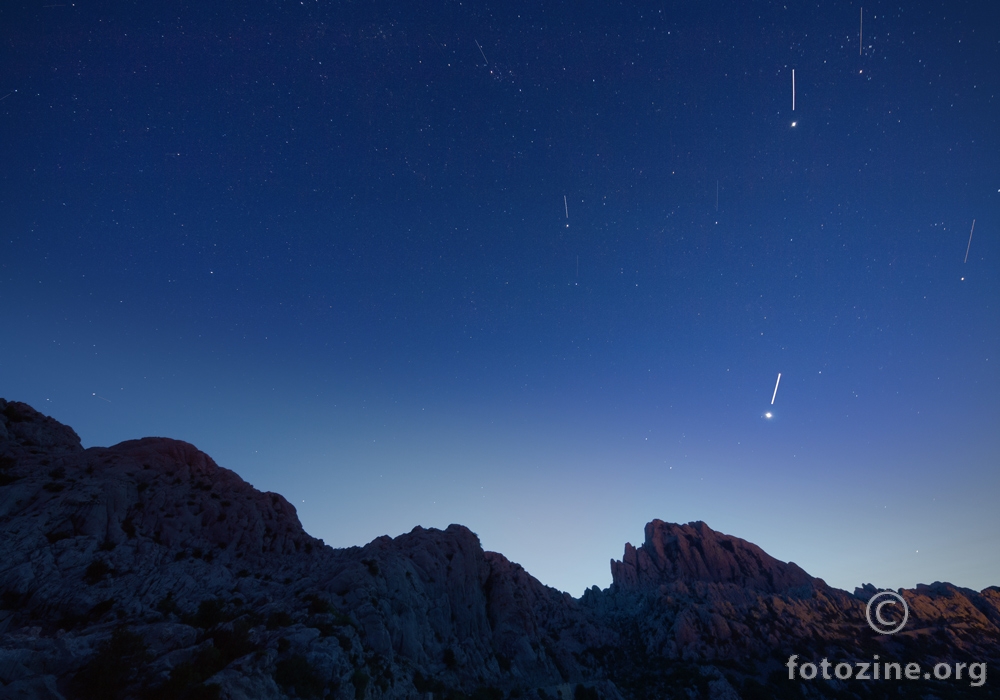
[
  {"x": 776, "y": 388},
  {"x": 970, "y": 242}
]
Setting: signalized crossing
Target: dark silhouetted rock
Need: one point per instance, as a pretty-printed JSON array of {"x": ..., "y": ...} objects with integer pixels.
[{"x": 145, "y": 570}]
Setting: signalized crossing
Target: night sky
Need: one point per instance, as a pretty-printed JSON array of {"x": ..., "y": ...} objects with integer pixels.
[{"x": 328, "y": 244}]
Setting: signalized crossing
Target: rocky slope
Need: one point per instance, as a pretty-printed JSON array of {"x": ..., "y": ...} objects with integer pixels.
[
  {"x": 145, "y": 570},
  {"x": 690, "y": 594}
]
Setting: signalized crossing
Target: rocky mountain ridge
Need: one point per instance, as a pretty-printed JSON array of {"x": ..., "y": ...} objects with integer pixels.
[{"x": 145, "y": 570}]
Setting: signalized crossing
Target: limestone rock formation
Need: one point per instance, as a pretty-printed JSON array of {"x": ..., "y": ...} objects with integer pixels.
[
  {"x": 695, "y": 553},
  {"x": 145, "y": 570},
  {"x": 225, "y": 590}
]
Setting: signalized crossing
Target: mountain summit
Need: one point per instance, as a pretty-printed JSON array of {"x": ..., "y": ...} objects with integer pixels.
[
  {"x": 145, "y": 570},
  {"x": 697, "y": 553}
]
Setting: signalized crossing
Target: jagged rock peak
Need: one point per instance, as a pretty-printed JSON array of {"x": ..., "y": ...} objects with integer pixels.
[
  {"x": 697, "y": 553},
  {"x": 22, "y": 428},
  {"x": 157, "y": 489}
]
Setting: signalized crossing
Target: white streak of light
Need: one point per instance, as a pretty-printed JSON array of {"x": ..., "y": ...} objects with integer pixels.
[{"x": 970, "y": 242}]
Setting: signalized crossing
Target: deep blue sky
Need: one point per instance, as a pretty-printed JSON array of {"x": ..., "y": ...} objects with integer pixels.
[{"x": 327, "y": 243}]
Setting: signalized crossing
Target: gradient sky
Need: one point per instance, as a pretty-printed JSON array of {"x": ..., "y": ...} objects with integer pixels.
[{"x": 327, "y": 243}]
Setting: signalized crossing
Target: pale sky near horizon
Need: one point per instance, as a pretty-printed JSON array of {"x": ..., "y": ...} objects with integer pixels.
[{"x": 541, "y": 286}]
